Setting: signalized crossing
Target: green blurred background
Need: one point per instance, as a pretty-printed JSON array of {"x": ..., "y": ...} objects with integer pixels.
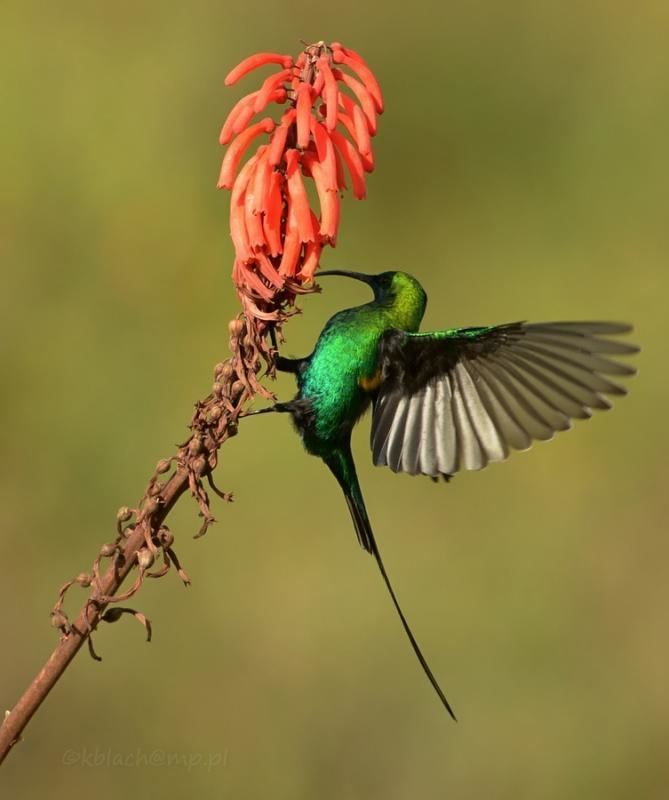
[{"x": 522, "y": 173}]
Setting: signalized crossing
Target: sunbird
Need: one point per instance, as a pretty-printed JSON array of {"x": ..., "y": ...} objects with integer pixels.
[{"x": 442, "y": 401}]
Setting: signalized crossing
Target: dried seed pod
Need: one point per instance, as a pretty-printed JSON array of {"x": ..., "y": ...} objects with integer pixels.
[
  {"x": 199, "y": 465},
  {"x": 123, "y": 514},
  {"x": 155, "y": 489},
  {"x": 217, "y": 389},
  {"x": 166, "y": 537},
  {"x": 215, "y": 413},
  {"x": 236, "y": 389},
  {"x": 145, "y": 558},
  {"x": 236, "y": 327},
  {"x": 228, "y": 371},
  {"x": 59, "y": 620},
  {"x": 108, "y": 550},
  {"x": 195, "y": 446},
  {"x": 163, "y": 466},
  {"x": 113, "y": 614},
  {"x": 83, "y": 579}
]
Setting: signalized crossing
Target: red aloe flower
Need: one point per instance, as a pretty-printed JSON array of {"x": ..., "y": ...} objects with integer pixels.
[{"x": 278, "y": 236}]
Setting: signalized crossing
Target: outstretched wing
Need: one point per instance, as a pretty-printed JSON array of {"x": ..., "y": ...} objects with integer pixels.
[{"x": 462, "y": 398}]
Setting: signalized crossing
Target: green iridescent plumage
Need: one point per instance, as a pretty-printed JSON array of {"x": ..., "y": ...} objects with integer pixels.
[{"x": 442, "y": 401}]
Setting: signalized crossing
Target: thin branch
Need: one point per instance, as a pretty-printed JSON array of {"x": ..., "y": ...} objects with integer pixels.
[{"x": 138, "y": 542}]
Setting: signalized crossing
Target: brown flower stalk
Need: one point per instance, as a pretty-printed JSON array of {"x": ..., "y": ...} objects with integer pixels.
[{"x": 278, "y": 239}]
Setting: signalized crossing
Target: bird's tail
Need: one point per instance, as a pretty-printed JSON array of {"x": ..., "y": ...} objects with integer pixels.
[{"x": 343, "y": 468}]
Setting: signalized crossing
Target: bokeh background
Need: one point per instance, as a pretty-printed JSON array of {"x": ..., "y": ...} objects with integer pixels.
[{"x": 522, "y": 174}]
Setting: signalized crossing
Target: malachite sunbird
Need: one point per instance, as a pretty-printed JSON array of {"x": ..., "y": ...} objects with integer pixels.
[{"x": 442, "y": 401}]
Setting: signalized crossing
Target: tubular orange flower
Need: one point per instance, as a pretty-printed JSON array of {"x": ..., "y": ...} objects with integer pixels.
[
  {"x": 361, "y": 132},
  {"x": 353, "y": 162},
  {"x": 357, "y": 135},
  {"x": 291, "y": 245},
  {"x": 311, "y": 260},
  {"x": 272, "y": 220},
  {"x": 268, "y": 87},
  {"x": 253, "y": 220},
  {"x": 238, "y": 230},
  {"x": 326, "y": 154},
  {"x": 343, "y": 55},
  {"x": 226, "y": 131},
  {"x": 303, "y": 115},
  {"x": 278, "y": 238},
  {"x": 341, "y": 178},
  {"x": 253, "y": 62},
  {"x": 364, "y": 97},
  {"x": 297, "y": 194},
  {"x": 236, "y": 151},
  {"x": 328, "y": 200},
  {"x": 331, "y": 93},
  {"x": 242, "y": 113},
  {"x": 280, "y": 136},
  {"x": 261, "y": 178}
]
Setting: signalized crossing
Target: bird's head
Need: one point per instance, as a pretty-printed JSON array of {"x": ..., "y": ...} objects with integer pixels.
[{"x": 389, "y": 287}]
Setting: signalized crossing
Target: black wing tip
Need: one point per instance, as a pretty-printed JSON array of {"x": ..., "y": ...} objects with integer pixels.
[{"x": 593, "y": 327}]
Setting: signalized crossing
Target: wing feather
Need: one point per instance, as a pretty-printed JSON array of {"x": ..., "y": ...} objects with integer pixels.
[
  {"x": 487, "y": 429},
  {"x": 427, "y": 462},
  {"x": 447, "y": 448},
  {"x": 412, "y": 434},
  {"x": 396, "y": 435},
  {"x": 469, "y": 450},
  {"x": 463, "y": 398}
]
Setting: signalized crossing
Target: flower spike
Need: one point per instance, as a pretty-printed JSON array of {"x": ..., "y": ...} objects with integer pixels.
[{"x": 278, "y": 236}]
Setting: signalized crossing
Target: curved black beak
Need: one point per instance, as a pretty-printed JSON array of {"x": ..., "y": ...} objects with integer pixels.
[{"x": 358, "y": 276}]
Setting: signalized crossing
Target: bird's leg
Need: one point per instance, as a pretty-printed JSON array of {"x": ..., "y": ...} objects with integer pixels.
[
  {"x": 282, "y": 364},
  {"x": 292, "y": 365},
  {"x": 255, "y": 413},
  {"x": 280, "y": 408}
]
